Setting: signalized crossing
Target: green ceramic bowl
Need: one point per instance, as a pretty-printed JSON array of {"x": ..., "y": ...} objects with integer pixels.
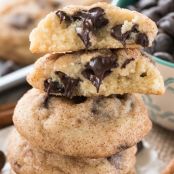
[{"x": 161, "y": 108}]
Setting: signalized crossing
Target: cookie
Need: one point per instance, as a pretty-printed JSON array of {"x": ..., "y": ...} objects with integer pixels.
[
  {"x": 18, "y": 17},
  {"x": 82, "y": 127},
  {"x": 26, "y": 159},
  {"x": 98, "y": 26},
  {"x": 95, "y": 73}
]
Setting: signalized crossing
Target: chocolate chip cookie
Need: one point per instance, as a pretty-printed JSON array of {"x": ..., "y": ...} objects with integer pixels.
[
  {"x": 82, "y": 127},
  {"x": 98, "y": 26},
  {"x": 25, "y": 159},
  {"x": 18, "y": 17},
  {"x": 95, "y": 73}
]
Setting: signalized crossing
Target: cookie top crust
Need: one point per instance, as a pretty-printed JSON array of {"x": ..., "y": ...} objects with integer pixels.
[
  {"x": 82, "y": 127},
  {"x": 98, "y": 26}
]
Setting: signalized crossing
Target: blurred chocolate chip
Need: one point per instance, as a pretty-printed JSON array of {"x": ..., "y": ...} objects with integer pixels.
[
  {"x": 69, "y": 84},
  {"x": 167, "y": 24},
  {"x": 126, "y": 62},
  {"x": 7, "y": 67},
  {"x": 98, "y": 68},
  {"x": 140, "y": 147},
  {"x": 20, "y": 21},
  {"x": 166, "y": 6},
  {"x": 163, "y": 43},
  {"x": 64, "y": 17},
  {"x": 164, "y": 56},
  {"x": 153, "y": 13},
  {"x": 2, "y": 160},
  {"x": 144, "y": 4}
]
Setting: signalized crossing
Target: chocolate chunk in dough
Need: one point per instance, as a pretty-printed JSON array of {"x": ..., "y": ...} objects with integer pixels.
[{"x": 98, "y": 68}]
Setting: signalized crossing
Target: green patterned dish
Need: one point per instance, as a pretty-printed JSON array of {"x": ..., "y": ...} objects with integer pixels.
[{"x": 161, "y": 108}]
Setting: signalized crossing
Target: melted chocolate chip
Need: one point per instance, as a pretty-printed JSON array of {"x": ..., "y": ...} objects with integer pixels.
[
  {"x": 92, "y": 20},
  {"x": 69, "y": 84},
  {"x": 53, "y": 86},
  {"x": 2, "y": 160},
  {"x": 21, "y": 21},
  {"x": 98, "y": 68},
  {"x": 142, "y": 39},
  {"x": 116, "y": 33},
  {"x": 126, "y": 62},
  {"x": 63, "y": 16}
]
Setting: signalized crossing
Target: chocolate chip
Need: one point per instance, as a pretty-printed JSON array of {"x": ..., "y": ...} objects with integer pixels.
[
  {"x": 167, "y": 24},
  {"x": 163, "y": 43},
  {"x": 116, "y": 33},
  {"x": 2, "y": 160},
  {"x": 126, "y": 62},
  {"x": 164, "y": 56},
  {"x": 69, "y": 84},
  {"x": 142, "y": 39},
  {"x": 92, "y": 20},
  {"x": 21, "y": 21},
  {"x": 98, "y": 68},
  {"x": 166, "y": 6},
  {"x": 63, "y": 16},
  {"x": 144, "y": 4},
  {"x": 153, "y": 13},
  {"x": 144, "y": 74},
  {"x": 53, "y": 86}
]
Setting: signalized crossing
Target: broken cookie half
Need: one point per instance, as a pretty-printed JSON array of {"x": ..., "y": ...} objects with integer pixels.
[
  {"x": 96, "y": 73},
  {"x": 101, "y": 25}
]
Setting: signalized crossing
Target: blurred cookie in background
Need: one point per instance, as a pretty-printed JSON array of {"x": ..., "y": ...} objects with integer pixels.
[{"x": 18, "y": 18}]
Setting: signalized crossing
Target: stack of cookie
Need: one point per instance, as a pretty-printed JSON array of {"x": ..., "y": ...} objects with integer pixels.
[{"x": 82, "y": 117}]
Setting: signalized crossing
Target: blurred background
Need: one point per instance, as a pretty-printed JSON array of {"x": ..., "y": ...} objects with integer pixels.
[{"x": 19, "y": 17}]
